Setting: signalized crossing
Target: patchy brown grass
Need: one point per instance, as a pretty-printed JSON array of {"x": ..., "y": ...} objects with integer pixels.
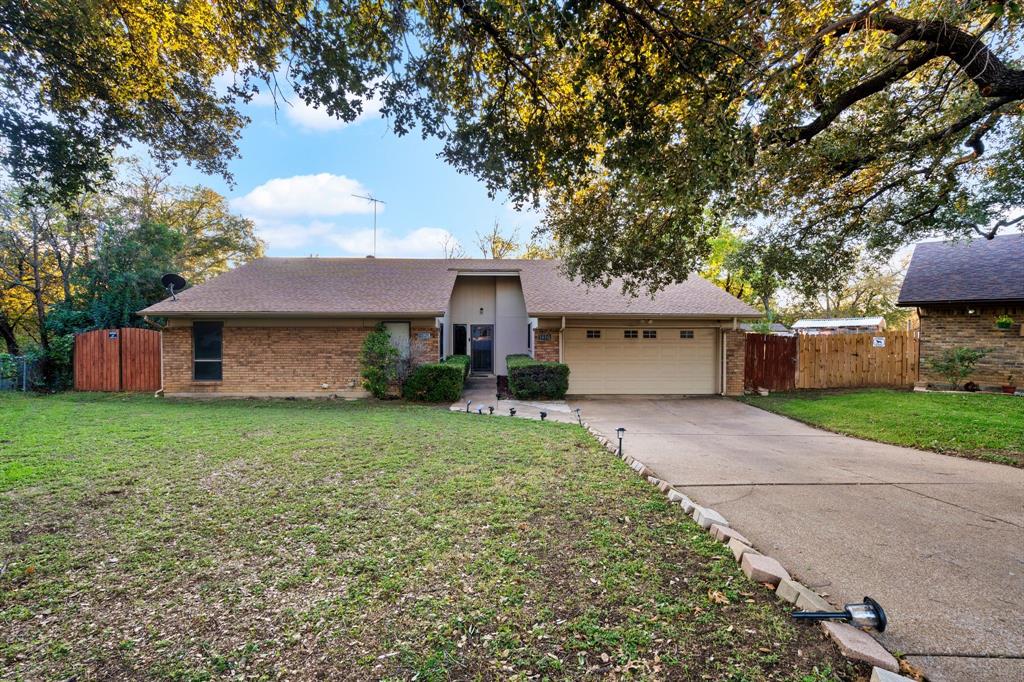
[{"x": 147, "y": 539}]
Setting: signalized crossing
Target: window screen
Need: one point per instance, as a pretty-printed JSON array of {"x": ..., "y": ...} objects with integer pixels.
[
  {"x": 629, "y": 334},
  {"x": 686, "y": 333},
  {"x": 207, "y": 343},
  {"x": 650, "y": 333},
  {"x": 593, "y": 333}
]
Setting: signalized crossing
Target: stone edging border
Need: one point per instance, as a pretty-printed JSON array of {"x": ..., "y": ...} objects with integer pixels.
[{"x": 853, "y": 643}]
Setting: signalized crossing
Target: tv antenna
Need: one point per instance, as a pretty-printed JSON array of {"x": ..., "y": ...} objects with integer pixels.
[
  {"x": 371, "y": 199},
  {"x": 173, "y": 282}
]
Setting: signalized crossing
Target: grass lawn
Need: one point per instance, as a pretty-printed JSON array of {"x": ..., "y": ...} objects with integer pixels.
[
  {"x": 154, "y": 539},
  {"x": 978, "y": 425}
]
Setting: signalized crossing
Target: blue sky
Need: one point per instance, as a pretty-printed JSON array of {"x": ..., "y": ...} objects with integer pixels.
[{"x": 296, "y": 175}]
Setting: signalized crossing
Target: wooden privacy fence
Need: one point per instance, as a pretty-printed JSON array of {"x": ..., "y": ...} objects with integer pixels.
[
  {"x": 848, "y": 360},
  {"x": 126, "y": 359},
  {"x": 770, "y": 362},
  {"x": 782, "y": 363}
]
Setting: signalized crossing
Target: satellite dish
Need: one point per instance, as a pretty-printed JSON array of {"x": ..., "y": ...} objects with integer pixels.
[{"x": 173, "y": 282}]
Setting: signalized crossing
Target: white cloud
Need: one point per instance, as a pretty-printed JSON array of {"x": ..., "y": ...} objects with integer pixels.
[
  {"x": 424, "y": 242},
  {"x": 312, "y": 119},
  {"x": 306, "y": 117},
  {"x": 323, "y": 194},
  {"x": 291, "y": 235}
]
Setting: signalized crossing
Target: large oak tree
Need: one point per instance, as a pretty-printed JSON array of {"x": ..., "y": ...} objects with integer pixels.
[{"x": 825, "y": 127}]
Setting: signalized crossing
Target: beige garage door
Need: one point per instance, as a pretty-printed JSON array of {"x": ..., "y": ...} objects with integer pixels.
[{"x": 651, "y": 360}]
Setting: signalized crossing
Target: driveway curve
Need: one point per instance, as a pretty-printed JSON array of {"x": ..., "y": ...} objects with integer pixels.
[{"x": 937, "y": 540}]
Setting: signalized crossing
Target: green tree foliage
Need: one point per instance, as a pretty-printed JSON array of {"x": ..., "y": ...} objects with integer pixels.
[
  {"x": 956, "y": 364},
  {"x": 866, "y": 289},
  {"x": 80, "y": 79},
  {"x": 379, "y": 363},
  {"x": 641, "y": 127},
  {"x": 124, "y": 275},
  {"x": 90, "y": 264}
]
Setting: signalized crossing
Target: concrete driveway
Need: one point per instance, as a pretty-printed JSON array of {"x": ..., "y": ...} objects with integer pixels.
[{"x": 937, "y": 540}]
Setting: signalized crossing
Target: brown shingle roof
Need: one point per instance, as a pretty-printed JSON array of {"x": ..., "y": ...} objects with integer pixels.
[
  {"x": 978, "y": 271},
  {"x": 397, "y": 286}
]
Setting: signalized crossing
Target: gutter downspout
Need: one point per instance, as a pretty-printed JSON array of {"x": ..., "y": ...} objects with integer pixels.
[
  {"x": 721, "y": 351},
  {"x": 561, "y": 339},
  {"x": 161, "y": 328}
]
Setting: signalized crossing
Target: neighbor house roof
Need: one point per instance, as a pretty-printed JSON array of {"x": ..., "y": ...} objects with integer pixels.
[
  {"x": 977, "y": 271},
  {"x": 838, "y": 322},
  {"x": 775, "y": 327},
  {"x": 407, "y": 286}
]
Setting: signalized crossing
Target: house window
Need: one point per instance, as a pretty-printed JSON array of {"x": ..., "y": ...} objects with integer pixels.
[
  {"x": 207, "y": 346},
  {"x": 686, "y": 333},
  {"x": 593, "y": 333},
  {"x": 399, "y": 334},
  {"x": 650, "y": 333},
  {"x": 629, "y": 334},
  {"x": 529, "y": 336},
  {"x": 440, "y": 342}
]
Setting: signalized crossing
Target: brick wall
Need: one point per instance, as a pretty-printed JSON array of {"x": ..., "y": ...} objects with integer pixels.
[
  {"x": 426, "y": 349},
  {"x": 271, "y": 360},
  {"x": 546, "y": 351},
  {"x": 735, "y": 357},
  {"x": 943, "y": 329}
]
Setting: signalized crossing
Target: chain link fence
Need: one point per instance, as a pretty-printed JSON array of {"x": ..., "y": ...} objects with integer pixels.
[{"x": 18, "y": 373}]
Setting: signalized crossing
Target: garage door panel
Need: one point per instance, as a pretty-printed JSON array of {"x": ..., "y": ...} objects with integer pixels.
[{"x": 667, "y": 364}]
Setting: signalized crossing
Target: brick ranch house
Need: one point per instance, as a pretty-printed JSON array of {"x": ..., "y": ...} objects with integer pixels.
[
  {"x": 959, "y": 289},
  {"x": 295, "y": 326}
]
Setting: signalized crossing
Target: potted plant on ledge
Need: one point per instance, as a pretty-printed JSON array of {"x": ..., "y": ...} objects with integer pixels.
[
  {"x": 1009, "y": 387},
  {"x": 1004, "y": 322}
]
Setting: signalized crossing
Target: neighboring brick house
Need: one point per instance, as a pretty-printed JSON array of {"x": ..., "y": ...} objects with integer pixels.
[
  {"x": 295, "y": 326},
  {"x": 959, "y": 290}
]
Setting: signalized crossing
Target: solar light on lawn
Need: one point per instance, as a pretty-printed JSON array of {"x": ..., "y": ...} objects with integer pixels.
[
  {"x": 543, "y": 416},
  {"x": 468, "y": 402},
  {"x": 620, "y": 431},
  {"x": 868, "y": 614},
  {"x": 578, "y": 417},
  {"x": 511, "y": 411}
]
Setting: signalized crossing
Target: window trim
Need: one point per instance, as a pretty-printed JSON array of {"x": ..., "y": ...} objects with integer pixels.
[
  {"x": 686, "y": 334},
  {"x": 218, "y": 360},
  {"x": 630, "y": 333},
  {"x": 593, "y": 334},
  {"x": 650, "y": 334}
]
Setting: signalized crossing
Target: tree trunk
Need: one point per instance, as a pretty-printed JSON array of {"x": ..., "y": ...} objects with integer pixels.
[{"x": 7, "y": 334}]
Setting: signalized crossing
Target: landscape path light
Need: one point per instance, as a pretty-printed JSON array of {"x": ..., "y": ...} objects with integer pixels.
[
  {"x": 868, "y": 614},
  {"x": 620, "y": 432}
]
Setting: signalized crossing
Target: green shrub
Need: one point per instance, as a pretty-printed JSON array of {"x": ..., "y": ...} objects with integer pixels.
[
  {"x": 460, "y": 360},
  {"x": 435, "y": 382},
  {"x": 54, "y": 367},
  {"x": 530, "y": 379},
  {"x": 8, "y": 366},
  {"x": 957, "y": 363},
  {"x": 379, "y": 360}
]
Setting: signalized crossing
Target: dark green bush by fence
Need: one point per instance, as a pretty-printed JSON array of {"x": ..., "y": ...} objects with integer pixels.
[
  {"x": 435, "y": 382},
  {"x": 530, "y": 379},
  {"x": 460, "y": 360}
]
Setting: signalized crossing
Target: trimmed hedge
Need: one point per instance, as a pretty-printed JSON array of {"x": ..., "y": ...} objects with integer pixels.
[
  {"x": 530, "y": 379},
  {"x": 435, "y": 382},
  {"x": 460, "y": 360}
]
